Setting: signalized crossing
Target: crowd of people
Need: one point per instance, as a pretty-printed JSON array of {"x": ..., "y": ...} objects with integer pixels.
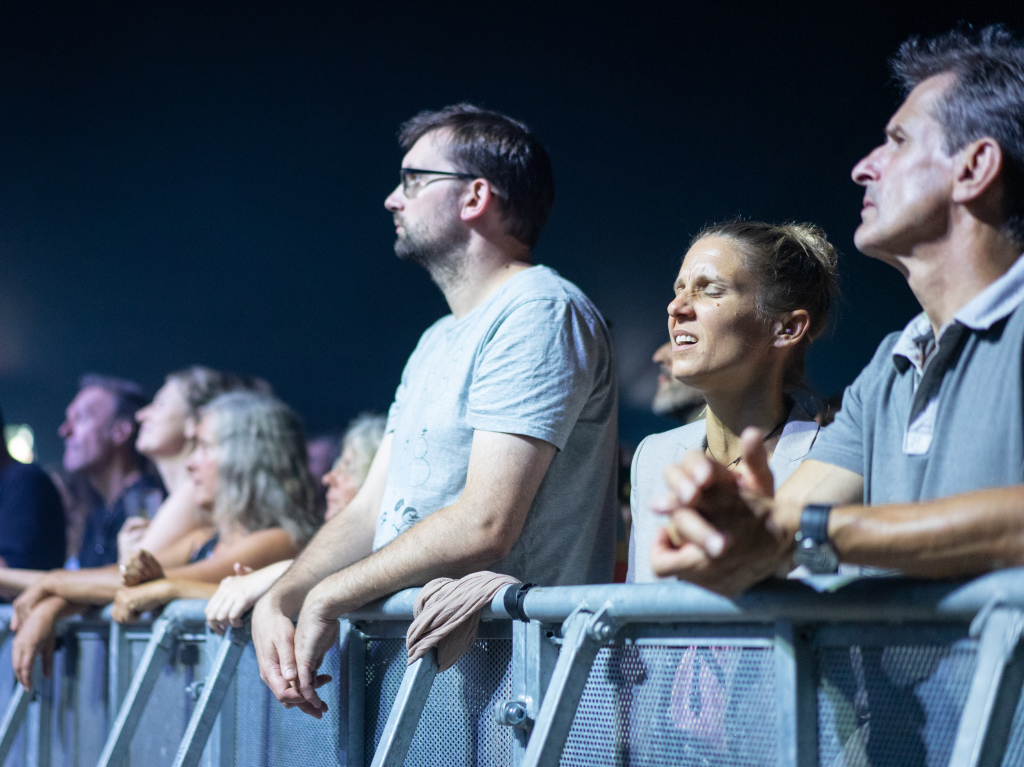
[{"x": 499, "y": 451}]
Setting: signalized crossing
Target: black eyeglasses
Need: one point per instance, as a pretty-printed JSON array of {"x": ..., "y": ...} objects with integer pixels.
[{"x": 413, "y": 179}]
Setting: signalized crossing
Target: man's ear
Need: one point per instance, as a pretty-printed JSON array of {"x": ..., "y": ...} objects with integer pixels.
[
  {"x": 121, "y": 431},
  {"x": 978, "y": 167},
  {"x": 790, "y": 328},
  {"x": 477, "y": 199}
]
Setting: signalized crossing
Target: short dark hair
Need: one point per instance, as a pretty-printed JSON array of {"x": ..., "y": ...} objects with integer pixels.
[
  {"x": 987, "y": 98},
  {"x": 503, "y": 151},
  {"x": 795, "y": 266},
  {"x": 128, "y": 396}
]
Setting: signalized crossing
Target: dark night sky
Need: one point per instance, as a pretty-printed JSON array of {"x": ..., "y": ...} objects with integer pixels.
[{"x": 203, "y": 182}]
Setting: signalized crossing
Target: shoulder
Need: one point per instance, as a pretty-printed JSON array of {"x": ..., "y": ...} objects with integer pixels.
[
  {"x": 658, "y": 450},
  {"x": 541, "y": 285},
  {"x": 26, "y": 479}
]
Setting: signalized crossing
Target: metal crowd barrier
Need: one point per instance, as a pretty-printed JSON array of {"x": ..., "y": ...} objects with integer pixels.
[{"x": 822, "y": 672}]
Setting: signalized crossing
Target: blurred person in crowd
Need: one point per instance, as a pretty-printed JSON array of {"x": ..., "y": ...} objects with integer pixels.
[
  {"x": 99, "y": 433},
  {"x": 250, "y": 472},
  {"x": 673, "y": 398},
  {"x": 501, "y": 442},
  {"x": 239, "y": 592},
  {"x": 166, "y": 437},
  {"x": 921, "y": 469},
  {"x": 750, "y": 298},
  {"x": 324, "y": 450},
  {"x": 31, "y": 515}
]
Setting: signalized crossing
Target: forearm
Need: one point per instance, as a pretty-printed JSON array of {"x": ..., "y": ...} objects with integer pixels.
[
  {"x": 959, "y": 535},
  {"x": 345, "y": 539},
  {"x": 449, "y": 543},
  {"x": 93, "y": 586},
  {"x": 14, "y": 580},
  {"x": 184, "y": 589}
]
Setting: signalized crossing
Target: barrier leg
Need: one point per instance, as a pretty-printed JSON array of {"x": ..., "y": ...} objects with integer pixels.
[
  {"x": 165, "y": 633},
  {"x": 406, "y": 711},
  {"x": 212, "y": 697},
  {"x": 584, "y": 634},
  {"x": 17, "y": 711},
  {"x": 991, "y": 702}
]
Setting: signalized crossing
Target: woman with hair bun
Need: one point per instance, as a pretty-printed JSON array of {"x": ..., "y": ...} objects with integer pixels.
[{"x": 750, "y": 298}]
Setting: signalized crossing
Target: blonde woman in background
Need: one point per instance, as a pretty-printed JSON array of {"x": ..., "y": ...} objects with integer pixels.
[{"x": 238, "y": 593}]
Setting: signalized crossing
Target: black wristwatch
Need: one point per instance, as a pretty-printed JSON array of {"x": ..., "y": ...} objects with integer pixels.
[{"x": 813, "y": 548}]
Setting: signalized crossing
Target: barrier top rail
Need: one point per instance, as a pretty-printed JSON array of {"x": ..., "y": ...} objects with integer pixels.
[{"x": 819, "y": 599}]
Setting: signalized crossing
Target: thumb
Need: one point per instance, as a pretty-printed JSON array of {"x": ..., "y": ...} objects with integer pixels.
[{"x": 754, "y": 474}]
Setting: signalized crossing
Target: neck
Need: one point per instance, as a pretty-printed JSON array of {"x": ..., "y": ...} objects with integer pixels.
[
  {"x": 172, "y": 470},
  {"x": 484, "y": 268},
  {"x": 728, "y": 414},
  {"x": 946, "y": 274},
  {"x": 111, "y": 479}
]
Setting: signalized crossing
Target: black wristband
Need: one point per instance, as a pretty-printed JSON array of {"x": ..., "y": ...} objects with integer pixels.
[{"x": 513, "y": 601}]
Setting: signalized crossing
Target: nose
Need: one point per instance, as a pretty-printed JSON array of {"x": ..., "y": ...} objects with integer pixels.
[
  {"x": 680, "y": 306},
  {"x": 866, "y": 171},
  {"x": 394, "y": 201},
  {"x": 141, "y": 413},
  {"x": 327, "y": 479},
  {"x": 64, "y": 430}
]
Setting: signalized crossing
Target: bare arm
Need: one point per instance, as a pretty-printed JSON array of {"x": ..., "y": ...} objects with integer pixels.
[
  {"x": 131, "y": 602},
  {"x": 14, "y": 580},
  {"x": 345, "y": 539},
  {"x": 477, "y": 530},
  {"x": 948, "y": 537}
]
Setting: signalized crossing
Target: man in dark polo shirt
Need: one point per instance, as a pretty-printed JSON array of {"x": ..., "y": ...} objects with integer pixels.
[
  {"x": 31, "y": 515},
  {"x": 99, "y": 432},
  {"x": 922, "y": 469}
]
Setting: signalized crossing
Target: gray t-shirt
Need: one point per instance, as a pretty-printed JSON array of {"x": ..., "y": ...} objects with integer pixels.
[
  {"x": 534, "y": 359},
  {"x": 926, "y": 420}
]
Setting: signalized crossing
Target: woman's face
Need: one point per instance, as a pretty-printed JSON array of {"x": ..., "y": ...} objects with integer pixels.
[
  {"x": 718, "y": 340},
  {"x": 341, "y": 487},
  {"x": 204, "y": 463},
  {"x": 162, "y": 423}
]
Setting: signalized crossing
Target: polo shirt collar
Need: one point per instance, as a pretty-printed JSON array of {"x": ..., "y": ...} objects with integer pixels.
[{"x": 994, "y": 303}]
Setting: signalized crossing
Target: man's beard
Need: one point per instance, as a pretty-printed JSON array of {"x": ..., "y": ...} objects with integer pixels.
[{"x": 440, "y": 248}]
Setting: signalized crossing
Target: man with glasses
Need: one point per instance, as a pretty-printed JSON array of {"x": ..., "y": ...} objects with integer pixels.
[{"x": 500, "y": 447}]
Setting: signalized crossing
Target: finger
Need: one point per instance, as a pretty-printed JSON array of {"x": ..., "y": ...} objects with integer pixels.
[
  {"x": 754, "y": 474},
  {"x": 691, "y": 527},
  {"x": 307, "y": 686},
  {"x": 241, "y": 569},
  {"x": 22, "y": 663},
  {"x": 668, "y": 560},
  {"x": 322, "y": 679}
]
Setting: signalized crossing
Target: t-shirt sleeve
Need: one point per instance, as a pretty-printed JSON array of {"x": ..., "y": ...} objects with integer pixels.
[
  {"x": 535, "y": 371},
  {"x": 841, "y": 443}
]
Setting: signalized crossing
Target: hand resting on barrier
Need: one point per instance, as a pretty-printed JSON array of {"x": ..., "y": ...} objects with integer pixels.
[{"x": 237, "y": 594}]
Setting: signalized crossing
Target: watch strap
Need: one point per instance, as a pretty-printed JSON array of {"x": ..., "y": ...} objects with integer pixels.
[{"x": 814, "y": 522}]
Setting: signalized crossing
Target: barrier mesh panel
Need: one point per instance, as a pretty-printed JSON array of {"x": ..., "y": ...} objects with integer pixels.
[
  {"x": 458, "y": 724},
  {"x": 16, "y": 757},
  {"x": 266, "y": 734},
  {"x": 167, "y": 712},
  {"x": 676, "y": 706},
  {"x": 897, "y": 705}
]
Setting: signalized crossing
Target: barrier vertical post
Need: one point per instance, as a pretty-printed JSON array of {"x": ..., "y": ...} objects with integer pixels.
[
  {"x": 355, "y": 642},
  {"x": 988, "y": 713},
  {"x": 534, "y": 656},
  {"x": 796, "y": 696}
]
